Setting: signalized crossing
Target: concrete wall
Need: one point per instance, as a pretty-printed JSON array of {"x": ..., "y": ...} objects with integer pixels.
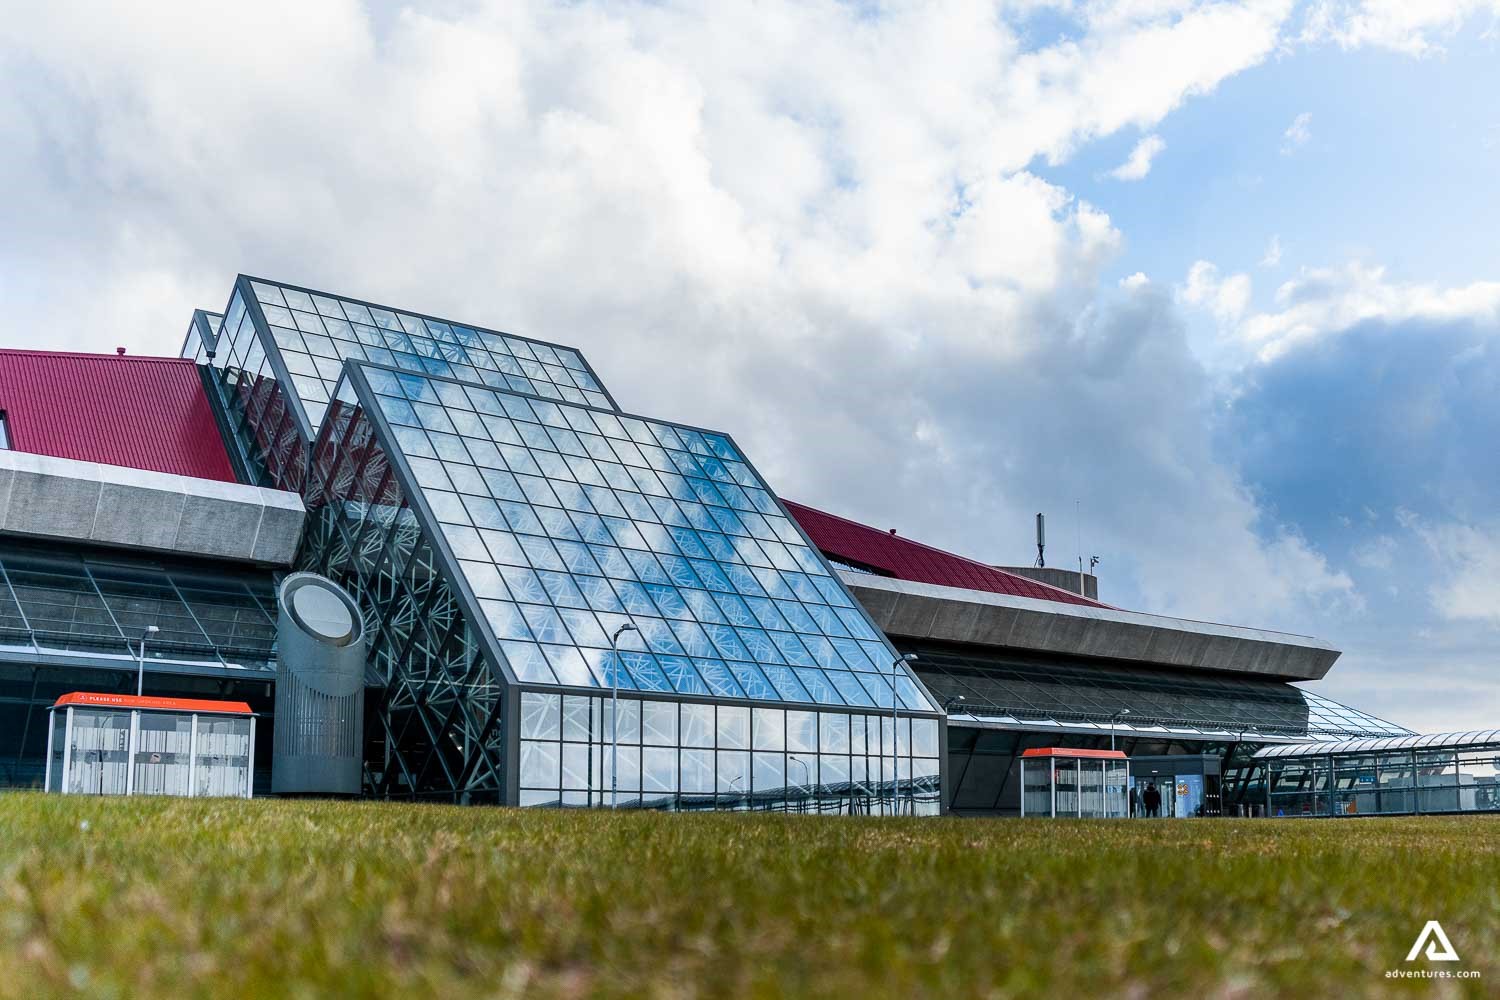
[
  {"x": 951, "y": 614},
  {"x": 1060, "y": 577},
  {"x": 59, "y": 498}
]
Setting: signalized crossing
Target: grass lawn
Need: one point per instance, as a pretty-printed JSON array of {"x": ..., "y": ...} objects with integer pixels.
[{"x": 160, "y": 897}]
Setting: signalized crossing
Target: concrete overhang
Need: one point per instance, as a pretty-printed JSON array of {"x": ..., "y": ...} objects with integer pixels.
[
  {"x": 42, "y": 497},
  {"x": 975, "y": 617}
]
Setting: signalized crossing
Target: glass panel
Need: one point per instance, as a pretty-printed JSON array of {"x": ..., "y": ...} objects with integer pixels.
[
  {"x": 1036, "y": 787},
  {"x": 97, "y": 755},
  {"x": 222, "y": 763}
]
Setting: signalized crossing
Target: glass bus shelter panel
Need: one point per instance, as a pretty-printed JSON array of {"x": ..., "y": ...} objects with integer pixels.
[
  {"x": 1091, "y": 783},
  {"x": 1065, "y": 774},
  {"x": 57, "y": 746},
  {"x": 98, "y": 753},
  {"x": 163, "y": 753},
  {"x": 1036, "y": 788},
  {"x": 222, "y": 762}
]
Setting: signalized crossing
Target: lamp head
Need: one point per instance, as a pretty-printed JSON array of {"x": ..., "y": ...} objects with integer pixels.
[
  {"x": 152, "y": 629},
  {"x": 909, "y": 657}
]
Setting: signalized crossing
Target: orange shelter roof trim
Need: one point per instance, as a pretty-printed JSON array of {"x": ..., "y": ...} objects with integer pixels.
[
  {"x": 1072, "y": 752},
  {"x": 128, "y": 701}
]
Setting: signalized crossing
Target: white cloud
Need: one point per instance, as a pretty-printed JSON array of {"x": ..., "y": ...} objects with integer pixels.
[
  {"x": 1138, "y": 164},
  {"x": 1225, "y": 297},
  {"x": 1406, "y": 26},
  {"x": 741, "y": 214},
  {"x": 1297, "y": 134},
  {"x": 1378, "y": 553},
  {"x": 1326, "y": 301},
  {"x": 1272, "y": 256},
  {"x": 1469, "y": 586}
]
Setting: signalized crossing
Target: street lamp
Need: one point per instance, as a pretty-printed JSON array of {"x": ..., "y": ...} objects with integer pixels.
[
  {"x": 140, "y": 672},
  {"x": 1112, "y": 720},
  {"x": 895, "y": 726},
  {"x": 614, "y": 714},
  {"x": 948, "y": 705},
  {"x": 806, "y": 775}
]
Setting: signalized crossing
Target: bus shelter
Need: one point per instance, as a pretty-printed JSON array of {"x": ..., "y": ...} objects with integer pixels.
[
  {"x": 112, "y": 744},
  {"x": 1064, "y": 782}
]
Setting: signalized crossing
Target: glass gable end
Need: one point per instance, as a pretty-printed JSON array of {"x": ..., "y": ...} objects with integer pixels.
[
  {"x": 314, "y": 333},
  {"x": 569, "y": 522},
  {"x": 202, "y": 331}
]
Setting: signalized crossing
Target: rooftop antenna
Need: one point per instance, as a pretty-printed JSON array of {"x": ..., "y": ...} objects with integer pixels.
[
  {"x": 1078, "y": 516},
  {"x": 1041, "y": 540}
]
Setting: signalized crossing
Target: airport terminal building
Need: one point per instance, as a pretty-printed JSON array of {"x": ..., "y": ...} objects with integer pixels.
[{"x": 526, "y": 554}]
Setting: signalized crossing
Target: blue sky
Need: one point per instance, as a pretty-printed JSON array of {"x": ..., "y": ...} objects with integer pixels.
[
  {"x": 1222, "y": 273},
  {"x": 1399, "y": 151}
]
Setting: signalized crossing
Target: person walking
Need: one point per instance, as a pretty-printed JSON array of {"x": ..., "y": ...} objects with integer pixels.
[{"x": 1152, "y": 800}]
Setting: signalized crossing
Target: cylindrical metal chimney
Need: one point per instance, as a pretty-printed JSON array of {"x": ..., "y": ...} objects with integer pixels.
[{"x": 320, "y": 689}]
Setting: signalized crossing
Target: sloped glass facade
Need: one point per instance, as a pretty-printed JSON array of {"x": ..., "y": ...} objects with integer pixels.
[
  {"x": 500, "y": 519},
  {"x": 569, "y": 523}
]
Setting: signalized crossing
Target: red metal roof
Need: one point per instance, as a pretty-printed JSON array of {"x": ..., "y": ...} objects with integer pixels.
[
  {"x": 904, "y": 559},
  {"x": 138, "y": 412},
  {"x": 146, "y": 703}
]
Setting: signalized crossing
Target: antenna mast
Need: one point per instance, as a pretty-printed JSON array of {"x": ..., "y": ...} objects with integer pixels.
[{"x": 1041, "y": 540}]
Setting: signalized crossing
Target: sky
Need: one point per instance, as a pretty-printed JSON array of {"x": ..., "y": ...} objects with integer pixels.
[{"x": 1215, "y": 285}]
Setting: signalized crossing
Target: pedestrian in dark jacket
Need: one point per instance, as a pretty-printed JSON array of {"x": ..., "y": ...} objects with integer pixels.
[{"x": 1152, "y": 799}]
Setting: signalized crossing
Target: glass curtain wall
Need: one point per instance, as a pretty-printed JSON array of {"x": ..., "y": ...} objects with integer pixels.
[{"x": 686, "y": 756}]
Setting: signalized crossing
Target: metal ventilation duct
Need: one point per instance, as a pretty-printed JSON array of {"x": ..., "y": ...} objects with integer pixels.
[{"x": 320, "y": 683}]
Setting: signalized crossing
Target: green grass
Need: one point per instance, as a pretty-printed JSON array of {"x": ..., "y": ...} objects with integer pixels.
[{"x": 156, "y": 897}]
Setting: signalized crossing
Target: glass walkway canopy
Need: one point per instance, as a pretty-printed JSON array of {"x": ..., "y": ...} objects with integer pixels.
[{"x": 1435, "y": 773}]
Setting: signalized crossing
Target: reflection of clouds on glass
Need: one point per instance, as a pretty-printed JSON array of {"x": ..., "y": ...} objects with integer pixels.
[{"x": 600, "y": 519}]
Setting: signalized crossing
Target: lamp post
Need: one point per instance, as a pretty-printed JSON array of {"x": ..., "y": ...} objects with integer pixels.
[
  {"x": 614, "y": 714},
  {"x": 1112, "y": 720},
  {"x": 895, "y": 727},
  {"x": 140, "y": 664}
]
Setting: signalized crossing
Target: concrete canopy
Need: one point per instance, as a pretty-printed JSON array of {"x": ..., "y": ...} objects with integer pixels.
[{"x": 950, "y": 614}]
